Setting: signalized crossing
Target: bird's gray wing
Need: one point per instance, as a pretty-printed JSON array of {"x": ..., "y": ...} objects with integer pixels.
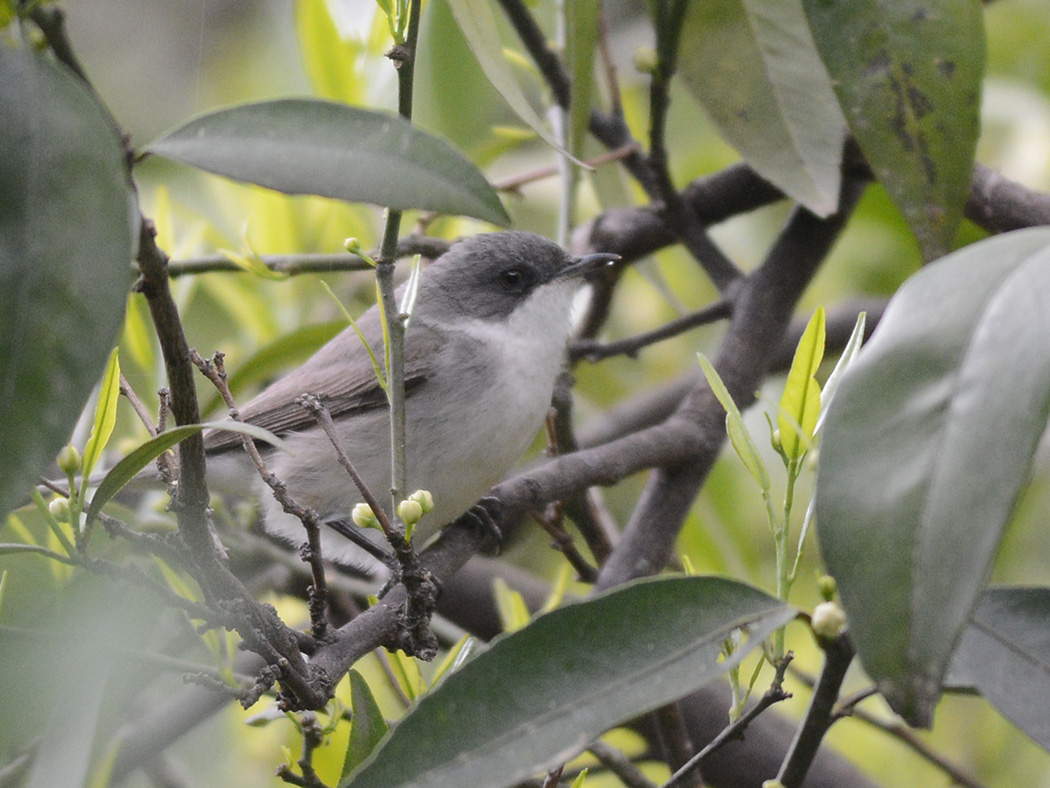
[{"x": 341, "y": 373}]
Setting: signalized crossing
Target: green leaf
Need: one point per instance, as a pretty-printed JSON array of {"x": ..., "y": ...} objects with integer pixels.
[
  {"x": 66, "y": 244},
  {"x": 846, "y": 359},
  {"x": 540, "y": 695},
  {"x": 129, "y": 467},
  {"x": 925, "y": 450},
  {"x": 474, "y": 18},
  {"x": 739, "y": 436},
  {"x": 309, "y": 146},
  {"x": 581, "y": 37},
  {"x": 1005, "y": 655},
  {"x": 105, "y": 413},
  {"x": 367, "y": 726},
  {"x": 330, "y": 61},
  {"x": 800, "y": 403},
  {"x": 754, "y": 67},
  {"x": 908, "y": 76}
]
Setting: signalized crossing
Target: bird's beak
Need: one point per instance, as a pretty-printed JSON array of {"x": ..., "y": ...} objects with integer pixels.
[{"x": 588, "y": 264}]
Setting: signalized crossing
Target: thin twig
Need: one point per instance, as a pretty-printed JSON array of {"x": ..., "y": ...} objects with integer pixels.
[
  {"x": 594, "y": 351},
  {"x": 775, "y": 694},
  {"x": 678, "y": 213},
  {"x": 137, "y": 406},
  {"x": 215, "y": 371},
  {"x": 620, "y": 765},
  {"x": 896, "y": 729},
  {"x": 838, "y": 656}
]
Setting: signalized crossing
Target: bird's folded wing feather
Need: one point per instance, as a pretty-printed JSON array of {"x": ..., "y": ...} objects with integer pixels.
[{"x": 341, "y": 374}]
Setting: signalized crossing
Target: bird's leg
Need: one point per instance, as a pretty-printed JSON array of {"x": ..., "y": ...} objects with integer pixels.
[{"x": 483, "y": 515}]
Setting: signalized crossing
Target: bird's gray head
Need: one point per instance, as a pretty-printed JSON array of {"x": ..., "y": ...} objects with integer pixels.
[{"x": 487, "y": 277}]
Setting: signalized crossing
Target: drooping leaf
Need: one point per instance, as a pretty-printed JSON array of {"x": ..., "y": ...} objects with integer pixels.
[
  {"x": 474, "y": 18},
  {"x": 800, "y": 404},
  {"x": 131, "y": 465},
  {"x": 539, "y": 695},
  {"x": 1005, "y": 655},
  {"x": 309, "y": 146},
  {"x": 66, "y": 245},
  {"x": 754, "y": 67},
  {"x": 908, "y": 76},
  {"x": 739, "y": 436},
  {"x": 367, "y": 726},
  {"x": 925, "y": 450}
]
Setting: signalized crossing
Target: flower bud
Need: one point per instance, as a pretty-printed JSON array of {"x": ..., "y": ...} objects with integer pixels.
[
  {"x": 410, "y": 512},
  {"x": 59, "y": 508},
  {"x": 364, "y": 517},
  {"x": 645, "y": 60},
  {"x": 424, "y": 499},
  {"x": 69, "y": 460},
  {"x": 772, "y": 784},
  {"x": 828, "y": 621},
  {"x": 827, "y": 587}
]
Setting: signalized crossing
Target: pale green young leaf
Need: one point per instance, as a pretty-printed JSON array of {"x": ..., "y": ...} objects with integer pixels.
[
  {"x": 105, "y": 413},
  {"x": 138, "y": 339},
  {"x": 406, "y": 671},
  {"x": 513, "y": 612},
  {"x": 329, "y": 60},
  {"x": 739, "y": 436},
  {"x": 800, "y": 403},
  {"x": 380, "y": 373},
  {"x": 454, "y": 658},
  {"x": 849, "y": 355}
]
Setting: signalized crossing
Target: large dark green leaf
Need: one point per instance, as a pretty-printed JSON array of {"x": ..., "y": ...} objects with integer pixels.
[
  {"x": 540, "y": 695},
  {"x": 309, "y": 146},
  {"x": 755, "y": 68},
  {"x": 908, "y": 75},
  {"x": 65, "y": 258},
  {"x": 1005, "y": 655},
  {"x": 925, "y": 449}
]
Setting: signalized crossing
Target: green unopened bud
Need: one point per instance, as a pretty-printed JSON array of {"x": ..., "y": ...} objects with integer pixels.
[
  {"x": 364, "y": 517},
  {"x": 772, "y": 784},
  {"x": 352, "y": 245},
  {"x": 827, "y": 587},
  {"x": 778, "y": 446},
  {"x": 424, "y": 499},
  {"x": 828, "y": 621},
  {"x": 645, "y": 60},
  {"x": 69, "y": 460},
  {"x": 59, "y": 508},
  {"x": 410, "y": 512}
]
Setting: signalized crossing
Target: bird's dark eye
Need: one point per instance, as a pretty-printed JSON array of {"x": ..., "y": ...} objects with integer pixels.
[{"x": 513, "y": 280}]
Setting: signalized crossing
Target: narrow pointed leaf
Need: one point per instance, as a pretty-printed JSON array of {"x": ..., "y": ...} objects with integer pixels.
[
  {"x": 754, "y": 67},
  {"x": 849, "y": 355},
  {"x": 1005, "y": 655},
  {"x": 309, "y": 146},
  {"x": 475, "y": 19},
  {"x": 581, "y": 34},
  {"x": 739, "y": 436},
  {"x": 924, "y": 452},
  {"x": 105, "y": 413},
  {"x": 131, "y": 465},
  {"x": 800, "y": 403},
  {"x": 908, "y": 75},
  {"x": 540, "y": 695},
  {"x": 66, "y": 244},
  {"x": 367, "y": 727}
]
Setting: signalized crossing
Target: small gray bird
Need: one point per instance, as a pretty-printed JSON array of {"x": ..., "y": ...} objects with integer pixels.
[{"x": 485, "y": 342}]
